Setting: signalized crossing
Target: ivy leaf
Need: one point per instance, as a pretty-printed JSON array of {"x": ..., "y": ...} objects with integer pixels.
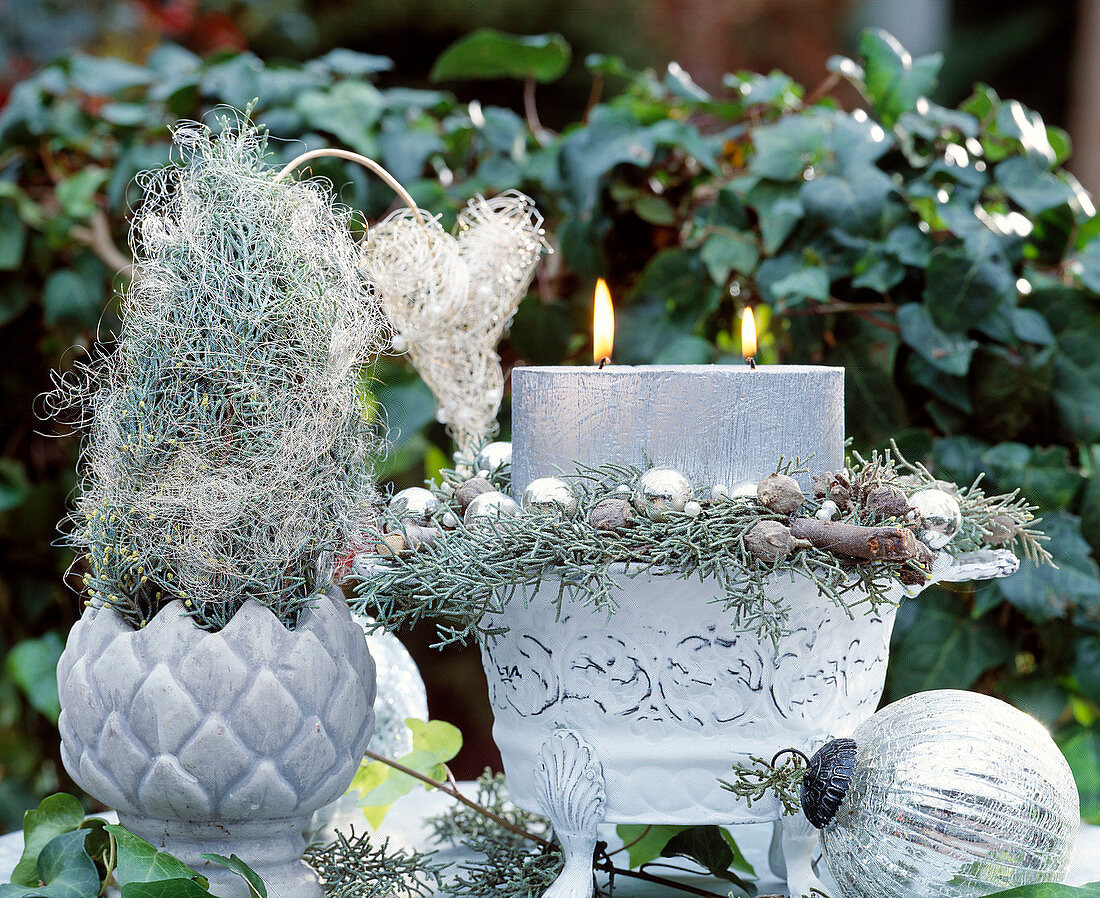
[
  {"x": 55, "y": 815},
  {"x": 679, "y": 279},
  {"x": 855, "y": 204},
  {"x": 141, "y": 862},
  {"x": 709, "y": 849},
  {"x": 488, "y": 53},
  {"x": 945, "y": 648},
  {"x": 1076, "y": 388},
  {"x": 779, "y": 209},
  {"x": 783, "y": 150},
  {"x": 76, "y": 193},
  {"x": 1088, "y": 265},
  {"x": 1031, "y": 188},
  {"x": 739, "y": 862},
  {"x": 726, "y": 251},
  {"x": 353, "y": 63},
  {"x": 1090, "y": 508},
  {"x": 13, "y": 237},
  {"x": 33, "y": 666},
  {"x": 69, "y": 296},
  {"x": 868, "y": 355},
  {"x": 1044, "y": 476},
  {"x": 894, "y": 81},
  {"x": 14, "y": 485},
  {"x": 645, "y": 843},
  {"x": 949, "y": 353},
  {"x": 1042, "y": 592},
  {"x": 256, "y": 887},
  {"x": 1051, "y": 890},
  {"x": 348, "y": 111},
  {"x": 106, "y": 75},
  {"x": 434, "y": 744},
  {"x": 612, "y": 136},
  {"x": 65, "y": 869},
  {"x": 807, "y": 282},
  {"x": 962, "y": 290},
  {"x": 165, "y": 888}
]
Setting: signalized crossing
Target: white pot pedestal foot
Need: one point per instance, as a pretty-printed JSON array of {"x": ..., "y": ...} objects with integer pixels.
[
  {"x": 795, "y": 844},
  {"x": 570, "y": 786}
]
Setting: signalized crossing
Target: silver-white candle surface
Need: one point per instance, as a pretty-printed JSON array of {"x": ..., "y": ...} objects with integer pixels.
[{"x": 718, "y": 424}]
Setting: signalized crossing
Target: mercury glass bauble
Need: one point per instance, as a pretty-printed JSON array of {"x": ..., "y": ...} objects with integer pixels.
[
  {"x": 490, "y": 506},
  {"x": 951, "y": 795},
  {"x": 400, "y": 694},
  {"x": 414, "y": 504},
  {"x": 744, "y": 489},
  {"x": 550, "y": 494},
  {"x": 659, "y": 491},
  {"x": 494, "y": 456},
  {"x": 940, "y": 516}
]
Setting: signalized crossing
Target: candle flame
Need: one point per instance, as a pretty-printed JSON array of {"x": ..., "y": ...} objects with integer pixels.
[
  {"x": 603, "y": 323},
  {"x": 748, "y": 334}
]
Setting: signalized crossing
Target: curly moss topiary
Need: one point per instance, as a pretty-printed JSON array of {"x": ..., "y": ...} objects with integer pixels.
[{"x": 227, "y": 454}]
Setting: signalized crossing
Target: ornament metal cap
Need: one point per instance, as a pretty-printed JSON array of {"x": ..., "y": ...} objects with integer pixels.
[{"x": 827, "y": 779}]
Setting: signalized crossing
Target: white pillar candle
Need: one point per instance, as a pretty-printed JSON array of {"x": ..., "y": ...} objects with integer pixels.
[{"x": 718, "y": 424}]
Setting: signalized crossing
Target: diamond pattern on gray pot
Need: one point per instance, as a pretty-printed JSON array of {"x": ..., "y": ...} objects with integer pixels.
[{"x": 253, "y": 722}]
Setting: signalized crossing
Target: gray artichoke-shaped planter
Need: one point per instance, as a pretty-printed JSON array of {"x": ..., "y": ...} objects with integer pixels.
[{"x": 219, "y": 742}]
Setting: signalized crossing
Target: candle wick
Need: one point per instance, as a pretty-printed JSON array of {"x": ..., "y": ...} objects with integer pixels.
[
  {"x": 752, "y": 362},
  {"x": 606, "y": 360}
]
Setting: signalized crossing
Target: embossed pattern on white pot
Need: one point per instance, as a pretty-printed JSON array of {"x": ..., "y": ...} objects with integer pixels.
[{"x": 670, "y": 694}]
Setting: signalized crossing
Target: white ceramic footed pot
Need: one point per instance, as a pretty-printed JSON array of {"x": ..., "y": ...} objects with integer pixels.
[
  {"x": 634, "y": 719},
  {"x": 219, "y": 742}
]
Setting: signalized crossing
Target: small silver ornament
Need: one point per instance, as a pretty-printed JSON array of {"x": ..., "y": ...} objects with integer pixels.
[
  {"x": 940, "y": 517},
  {"x": 494, "y": 456},
  {"x": 659, "y": 491},
  {"x": 550, "y": 494},
  {"x": 489, "y": 507},
  {"x": 719, "y": 493},
  {"x": 414, "y": 504},
  {"x": 449, "y": 520},
  {"x": 828, "y": 511},
  {"x": 693, "y": 509},
  {"x": 745, "y": 489}
]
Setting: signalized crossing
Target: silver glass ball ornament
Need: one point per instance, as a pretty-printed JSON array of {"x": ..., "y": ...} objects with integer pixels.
[
  {"x": 494, "y": 456},
  {"x": 489, "y": 507},
  {"x": 940, "y": 517},
  {"x": 660, "y": 491},
  {"x": 414, "y": 504},
  {"x": 946, "y": 794},
  {"x": 400, "y": 692},
  {"x": 550, "y": 494},
  {"x": 744, "y": 489}
]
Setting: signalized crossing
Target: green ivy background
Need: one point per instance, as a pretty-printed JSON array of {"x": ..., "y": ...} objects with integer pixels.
[{"x": 943, "y": 256}]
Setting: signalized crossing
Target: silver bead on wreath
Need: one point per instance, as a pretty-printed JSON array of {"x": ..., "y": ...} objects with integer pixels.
[
  {"x": 414, "y": 504},
  {"x": 940, "y": 517},
  {"x": 494, "y": 456},
  {"x": 661, "y": 490},
  {"x": 489, "y": 507},
  {"x": 550, "y": 494}
]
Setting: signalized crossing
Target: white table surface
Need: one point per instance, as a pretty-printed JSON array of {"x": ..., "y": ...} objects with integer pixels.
[{"x": 405, "y": 827}]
